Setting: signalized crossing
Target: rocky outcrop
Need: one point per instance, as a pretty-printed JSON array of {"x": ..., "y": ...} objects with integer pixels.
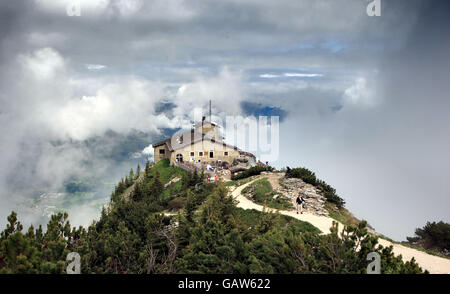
[
  {"x": 289, "y": 188},
  {"x": 314, "y": 199}
]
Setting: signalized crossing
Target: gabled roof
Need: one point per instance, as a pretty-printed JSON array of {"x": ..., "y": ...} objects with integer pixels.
[
  {"x": 206, "y": 138},
  {"x": 160, "y": 143},
  {"x": 194, "y": 136},
  {"x": 205, "y": 122},
  {"x": 166, "y": 142}
]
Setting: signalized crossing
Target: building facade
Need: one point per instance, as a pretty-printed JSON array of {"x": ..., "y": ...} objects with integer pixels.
[{"x": 200, "y": 145}]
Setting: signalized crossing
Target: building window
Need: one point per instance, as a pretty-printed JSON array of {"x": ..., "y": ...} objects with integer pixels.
[
  {"x": 211, "y": 154},
  {"x": 162, "y": 151},
  {"x": 225, "y": 153},
  {"x": 192, "y": 153},
  {"x": 200, "y": 154}
]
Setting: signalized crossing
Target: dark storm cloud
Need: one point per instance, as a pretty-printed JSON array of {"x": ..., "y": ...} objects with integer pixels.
[
  {"x": 391, "y": 161},
  {"x": 209, "y": 32}
]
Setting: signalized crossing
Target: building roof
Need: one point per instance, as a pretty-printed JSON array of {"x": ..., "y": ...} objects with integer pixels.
[
  {"x": 246, "y": 154},
  {"x": 205, "y": 122},
  {"x": 191, "y": 137},
  {"x": 160, "y": 143},
  {"x": 195, "y": 137}
]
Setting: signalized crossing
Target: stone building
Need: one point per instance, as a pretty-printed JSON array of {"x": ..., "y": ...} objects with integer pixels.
[{"x": 201, "y": 145}]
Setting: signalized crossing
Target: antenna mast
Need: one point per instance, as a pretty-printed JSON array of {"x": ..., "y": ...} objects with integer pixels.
[{"x": 210, "y": 119}]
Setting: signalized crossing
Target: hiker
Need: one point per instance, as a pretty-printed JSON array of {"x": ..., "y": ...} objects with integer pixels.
[
  {"x": 300, "y": 201},
  {"x": 216, "y": 178}
]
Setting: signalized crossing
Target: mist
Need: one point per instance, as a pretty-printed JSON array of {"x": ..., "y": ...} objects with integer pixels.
[{"x": 363, "y": 101}]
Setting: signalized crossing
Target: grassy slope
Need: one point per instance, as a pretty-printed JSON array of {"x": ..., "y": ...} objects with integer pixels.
[
  {"x": 240, "y": 182},
  {"x": 263, "y": 191},
  {"x": 429, "y": 251},
  {"x": 166, "y": 171},
  {"x": 251, "y": 218},
  {"x": 263, "y": 194},
  {"x": 342, "y": 215}
]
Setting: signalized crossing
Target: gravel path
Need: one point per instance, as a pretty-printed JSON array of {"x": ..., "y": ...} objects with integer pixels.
[{"x": 434, "y": 264}]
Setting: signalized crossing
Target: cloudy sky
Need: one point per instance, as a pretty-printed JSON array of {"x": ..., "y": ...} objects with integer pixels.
[{"x": 363, "y": 101}]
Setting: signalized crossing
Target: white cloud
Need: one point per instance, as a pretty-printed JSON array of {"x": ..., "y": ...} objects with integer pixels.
[
  {"x": 303, "y": 75},
  {"x": 129, "y": 7},
  {"x": 291, "y": 75},
  {"x": 120, "y": 106},
  {"x": 225, "y": 91},
  {"x": 95, "y": 67},
  {"x": 44, "y": 100},
  {"x": 268, "y": 76},
  {"x": 93, "y": 7},
  {"x": 148, "y": 151},
  {"x": 55, "y": 103},
  {"x": 360, "y": 94},
  {"x": 43, "y": 63},
  {"x": 83, "y": 215}
]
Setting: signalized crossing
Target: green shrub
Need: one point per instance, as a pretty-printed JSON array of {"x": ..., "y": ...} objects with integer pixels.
[
  {"x": 260, "y": 188},
  {"x": 310, "y": 177},
  {"x": 211, "y": 235},
  {"x": 433, "y": 236},
  {"x": 253, "y": 171},
  {"x": 262, "y": 193},
  {"x": 176, "y": 204},
  {"x": 252, "y": 217},
  {"x": 302, "y": 173}
]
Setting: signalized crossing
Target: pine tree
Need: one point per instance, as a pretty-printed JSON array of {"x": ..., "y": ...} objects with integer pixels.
[
  {"x": 138, "y": 192},
  {"x": 213, "y": 236},
  {"x": 14, "y": 226},
  {"x": 157, "y": 186},
  {"x": 130, "y": 178},
  {"x": 138, "y": 171},
  {"x": 147, "y": 168}
]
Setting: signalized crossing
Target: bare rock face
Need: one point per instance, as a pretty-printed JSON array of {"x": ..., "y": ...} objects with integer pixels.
[
  {"x": 289, "y": 188},
  {"x": 314, "y": 199}
]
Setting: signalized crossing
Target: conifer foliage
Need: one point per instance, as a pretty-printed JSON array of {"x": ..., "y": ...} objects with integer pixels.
[{"x": 209, "y": 234}]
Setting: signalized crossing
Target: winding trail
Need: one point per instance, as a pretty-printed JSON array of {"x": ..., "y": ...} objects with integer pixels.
[{"x": 434, "y": 264}]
